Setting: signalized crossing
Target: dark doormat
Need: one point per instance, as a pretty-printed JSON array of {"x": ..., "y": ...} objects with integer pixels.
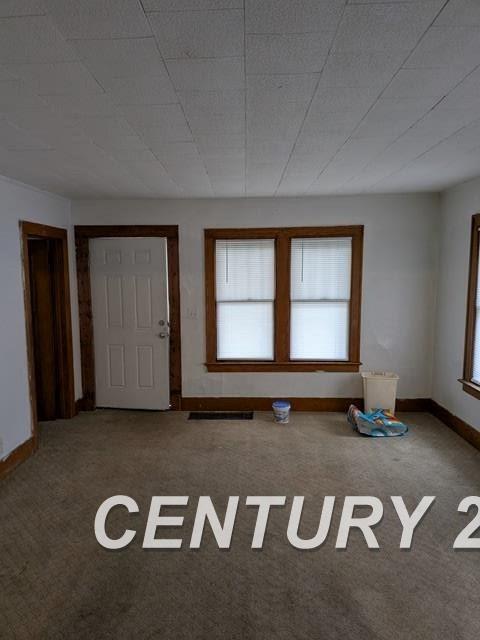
[{"x": 221, "y": 415}]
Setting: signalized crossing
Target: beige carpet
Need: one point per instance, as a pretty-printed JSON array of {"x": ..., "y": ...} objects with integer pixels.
[{"x": 57, "y": 582}]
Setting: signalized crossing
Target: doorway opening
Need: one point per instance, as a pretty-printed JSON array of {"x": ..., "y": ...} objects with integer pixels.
[{"x": 48, "y": 322}]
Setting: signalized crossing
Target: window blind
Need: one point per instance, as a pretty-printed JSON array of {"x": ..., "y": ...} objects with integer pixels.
[
  {"x": 320, "y": 283},
  {"x": 245, "y": 294},
  {"x": 476, "y": 339}
]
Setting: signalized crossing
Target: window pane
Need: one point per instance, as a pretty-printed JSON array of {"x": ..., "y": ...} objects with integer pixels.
[
  {"x": 245, "y": 330},
  {"x": 320, "y": 268},
  {"x": 320, "y": 298},
  {"x": 476, "y": 351},
  {"x": 476, "y": 339},
  {"x": 245, "y": 269},
  {"x": 319, "y": 331}
]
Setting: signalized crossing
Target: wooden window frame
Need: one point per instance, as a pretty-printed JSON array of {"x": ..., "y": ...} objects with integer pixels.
[
  {"x": 469, "y": 386},
  {"x": 282, "y": 238}
]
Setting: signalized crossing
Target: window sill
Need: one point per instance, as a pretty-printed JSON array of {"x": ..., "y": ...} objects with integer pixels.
[
  {"x": 279, "y": 367},
  {"x": 471, "y": 388}
]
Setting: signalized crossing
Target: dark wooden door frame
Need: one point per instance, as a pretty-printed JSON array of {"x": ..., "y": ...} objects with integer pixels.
[
  {"x": 84, "y": 233},
  {"x": 63, "y": 327}
]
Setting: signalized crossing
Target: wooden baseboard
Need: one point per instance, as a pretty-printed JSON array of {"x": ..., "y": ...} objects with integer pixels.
[
  {"x": 298, "y": 404},
  {"x": 462, "y": 428},
  {"x": 16, "y": 457}
]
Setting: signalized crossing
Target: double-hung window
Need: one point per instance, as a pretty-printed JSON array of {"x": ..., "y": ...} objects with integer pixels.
[
  {"x": 471, "y": 373},
  {"x": 283, "y": 299}
]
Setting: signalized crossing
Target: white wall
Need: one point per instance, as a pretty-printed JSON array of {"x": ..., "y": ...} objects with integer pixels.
[
  {"x": 400, "y": 256},
  {"x": 20, "y": 202},
  {"x": 457, "y": 207}
]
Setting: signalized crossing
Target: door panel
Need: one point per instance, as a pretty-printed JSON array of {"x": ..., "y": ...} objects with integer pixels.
[{"x": 129, "y": 301}]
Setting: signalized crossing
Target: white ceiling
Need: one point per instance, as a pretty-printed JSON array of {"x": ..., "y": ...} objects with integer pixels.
[{"x": 202, "y": 98}]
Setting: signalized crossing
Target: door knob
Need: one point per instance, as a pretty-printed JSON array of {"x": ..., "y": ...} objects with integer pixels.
[{"x": 163, "y": 334}]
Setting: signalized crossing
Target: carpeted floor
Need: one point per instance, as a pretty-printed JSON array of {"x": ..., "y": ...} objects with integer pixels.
[{"x": 57, "y": 582}]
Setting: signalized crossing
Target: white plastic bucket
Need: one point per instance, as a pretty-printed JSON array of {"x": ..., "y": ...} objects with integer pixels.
[
  {"x": 379, "y": 390},
  {"x": 281, "y": 411}
]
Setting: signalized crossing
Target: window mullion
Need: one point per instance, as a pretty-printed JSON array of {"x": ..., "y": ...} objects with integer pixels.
[{"x": 282, "y": 298}]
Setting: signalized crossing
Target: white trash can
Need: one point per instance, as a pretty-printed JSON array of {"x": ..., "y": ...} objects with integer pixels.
[{"x": 379, "y": 390}]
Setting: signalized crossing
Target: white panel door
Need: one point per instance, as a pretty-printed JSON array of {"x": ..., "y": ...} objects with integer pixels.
[{"x": 130, "y": 322}]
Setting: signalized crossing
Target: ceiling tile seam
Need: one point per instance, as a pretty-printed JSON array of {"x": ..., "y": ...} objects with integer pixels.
[
  {"x": 376, "y": 4},
  {"x": 23, "y": 15},
  {"x": 179, "y": 103},
  {"x": 309, "y": 105},
  {"x": 193, "y": 59},
  {"x": 288, "y": 33},
  {"x": 381, "y": 93},
  {"x": 163, "y": 11},
  {"x": 280, "y": 75},
  {"x": 372, "y": 160},
  {"x": 120, "y": 115},
  {"x": 144, "y": 37},
  {"x": 451, "y": 135}
]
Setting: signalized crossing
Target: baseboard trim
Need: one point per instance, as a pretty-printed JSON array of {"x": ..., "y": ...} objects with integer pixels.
[
  {"x": 298, "y": 404},
  {"x": 16, "y": 457},
  {"x": 462, "y": 428}
]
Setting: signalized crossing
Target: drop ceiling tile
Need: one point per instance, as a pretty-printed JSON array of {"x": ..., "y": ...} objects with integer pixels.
[
  {"x": 207, "y": 75},
  {"x": 287, "y": 53},
  {"x": 226, "y": 154},
  {"x": 13, "y": 137},
  {"x": 225, "y": 167},
  {"x": 335, "y": 99},
  {"x": 167, "y": 117},
  {"x": 361, "y": 69},
  {"x": 33, "y": 39},
  {"x": 156, "y": 137},
  {"x": 323, "y": 142},
  {"x": 111, "y": 142},
  {"x": 94, "y": 126},
  {"x": 466, "y": 95},
  {"x": 15, "y": 95},
  {"x": 447, "y": 47},
  {"x": 460, "y": 13},
  {"x": 93, "y": 104},
  {"x": 444, "y": 121},
  {"x": 419, "y": 83},
  {"x": 216, "y": 102},
  {"x": 4, "y": 75},
  {"x": 10, "y": 8},
  {"x": 330, "y": 121},
  {"x": 285, "y": 16},
  {"x": 281, "y": 88},
  {"x": 199, "y": 34},
  {"x": 383, "y": 27},
  {"x": 121, "y": 58},
  {"x": 303, "y": 165},
  {"x": 57, "y": 78},
  {"x": 213, "y": 143},
  {"x": 175, "y": 150},
  {"x": 263, "y": 151},
  {"x": 217, "y": 123},
  {"x": 134, "y": 155},
  {"x": 281, "y": 123},
  {"x": 141, "y": 90},
  {"x": 190, "y": 5},
  {"x": 99, "y": 18},
  {"x": 391, "y": 117}
]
